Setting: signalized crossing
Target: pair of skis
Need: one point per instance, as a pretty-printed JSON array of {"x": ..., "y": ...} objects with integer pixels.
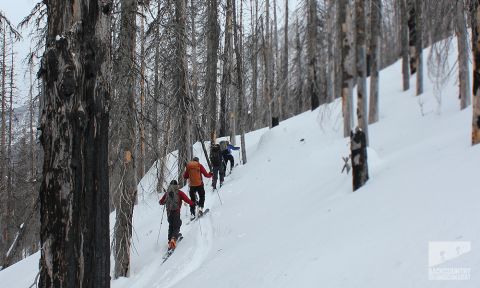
[
  {"x": 199, "y": 216},
  {"x": 171, "y": 250}
]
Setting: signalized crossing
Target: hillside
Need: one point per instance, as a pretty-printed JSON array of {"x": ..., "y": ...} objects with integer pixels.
[{"x": 289, "y": 218}]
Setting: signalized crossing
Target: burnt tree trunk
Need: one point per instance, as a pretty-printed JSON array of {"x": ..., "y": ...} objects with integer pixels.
[
  {"x": 463, "y": 54},
  {"x": 347, "y": 73},
  {"x": 254, "y": 60},
  {"x": 240, "y": 90},
  {"x": 298, "y": 61},
  {"x": 124, "y": 182},
  {"x": 141, "y": 158},
  {"x": 312, "y": 54},
  {"x": 3, "y": 152},
  {"x": 74, "y": 193},
  {"x": 475, "y": 17},
  {"x": 375, "y": 24},
  {"x": 361, "y": 59},
  {"x": 183, "y": 99},
  {"x": 419, "y": 45},
  {"x": 358, "y": 146},
  {"x": 284, "y": 84},
  {"x": 213, "y": 35},
  {"x": 405, "y": 42},
  {"x": 412, "y": 34},
  {"x": 227, "y": 69}
]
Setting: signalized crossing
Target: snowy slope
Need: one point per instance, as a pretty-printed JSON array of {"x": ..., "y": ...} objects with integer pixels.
[{"x": 289, "y": 218}]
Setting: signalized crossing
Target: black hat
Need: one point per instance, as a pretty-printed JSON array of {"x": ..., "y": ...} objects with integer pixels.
[
  {"x": 195, "y": 159},
  {"x": 173, "y": 182}
]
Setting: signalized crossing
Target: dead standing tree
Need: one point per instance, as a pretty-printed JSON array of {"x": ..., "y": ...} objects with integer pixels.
[
  {"x": 312, "y": 84},
  {"x": 475, "y": 17},
  {"x": 463, "y": 55},
  {"x": 405, "y": 44},
  {"x": 213, "y": 35},
  {"x": 361, "y": 61},
  {"x": 347, "y": 73},
  {"x": 375, "y": 25},
  {"x": 124, "y": 184},
  {"x": 182, "y": 96},
  {"x": 74, "y": 192}
]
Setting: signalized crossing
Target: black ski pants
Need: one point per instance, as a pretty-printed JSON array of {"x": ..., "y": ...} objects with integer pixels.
[
  {"x": 174, "y": 224},
  {"x": 193, "y": 196},
  {"x": 229, "y": 158},
  {"x": 218, "y": 170}
]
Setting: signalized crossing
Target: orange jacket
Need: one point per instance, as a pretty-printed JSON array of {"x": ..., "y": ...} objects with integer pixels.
[{"x": 194, "y": 172}]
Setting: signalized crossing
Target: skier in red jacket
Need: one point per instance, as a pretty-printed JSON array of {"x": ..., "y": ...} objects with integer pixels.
[{"x": 172, "y": 200}]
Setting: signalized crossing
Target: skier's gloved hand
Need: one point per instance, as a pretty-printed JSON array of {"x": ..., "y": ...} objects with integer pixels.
[{"x": 211, "y": 174}]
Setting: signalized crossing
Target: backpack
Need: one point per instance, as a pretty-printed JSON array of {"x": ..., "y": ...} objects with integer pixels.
[
  {"x": 173, "y": 199},
  {"x": 223, "y": 145},
  {"x": 215, "y": 155}
]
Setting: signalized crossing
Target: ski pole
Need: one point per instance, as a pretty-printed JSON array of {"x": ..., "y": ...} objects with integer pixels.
[
  {"x": 200, "y": 224},
  {"x": 161, "y": 221},
  {"x": 219, "y": 197}
]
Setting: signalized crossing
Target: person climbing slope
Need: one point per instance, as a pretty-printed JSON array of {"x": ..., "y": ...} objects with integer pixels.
[
  {"x": 226, "y": 149},
  {"x": 218, "y": 167},
  {"x": 172, "y": 199},
  {"x": 194, "y": 172}
]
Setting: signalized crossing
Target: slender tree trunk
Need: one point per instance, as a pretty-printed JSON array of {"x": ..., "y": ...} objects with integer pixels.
[
  {"x": 181, "y": 89},
  {"x": 10, "y": 165},
  {"x": 124, "y": 171},
  {"x": 212, "y": 61},
  {"x": 475, "y": 17},
  {"x": 361, "y": 60},
  {"x": 3, "y": 154},
  {"x": 285, "y": 60},
  {"x": 194, "y": 59},
  {"x": 227, "y": 70},
  {"x": 330, "y": 48},
  {"x": 463, "y": 54},
  {"x": 338, "y": 49},
  {"x": 376, "y": 22},
  {"x": 405, "y": 43},
  {"x": 76, "y": 70},
  {"x": 33, "y": 163},
  {"x": 347, "y": 75},
  {"x": 142, "y": 95},
  {"x": 312, "y": 54},
  {"x": 298, "y": 45},
  {"x": 276, "y": 71},
  {"x": 419, "y": 45},
  {"x": 238, "y": 56},
  {"x": 269, "y": 66},
  {"x": 254, "y": 27},
  {"x": 412, "y": 35},
  {"x": 156, "y": 90}
]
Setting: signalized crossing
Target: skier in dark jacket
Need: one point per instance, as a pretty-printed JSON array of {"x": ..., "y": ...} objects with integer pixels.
[
  {"x": 218, "y": 168},
  {"x": 227, "y": 154},
  {"x": 172, "y": 200}
]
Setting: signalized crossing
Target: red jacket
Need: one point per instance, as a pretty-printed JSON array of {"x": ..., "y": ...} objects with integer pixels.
[
  {"x": 194, "y": 172},
  {"x": 182, "y": 197}
]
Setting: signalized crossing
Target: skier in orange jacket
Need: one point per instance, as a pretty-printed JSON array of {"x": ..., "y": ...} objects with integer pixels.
[{"x": 194, "y": 172}]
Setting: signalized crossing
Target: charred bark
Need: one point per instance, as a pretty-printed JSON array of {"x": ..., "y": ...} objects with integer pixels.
[{"x": 74, "y": 192}]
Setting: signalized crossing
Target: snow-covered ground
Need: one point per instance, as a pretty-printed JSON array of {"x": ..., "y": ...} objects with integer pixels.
[{"x": 289, "y": 218}]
